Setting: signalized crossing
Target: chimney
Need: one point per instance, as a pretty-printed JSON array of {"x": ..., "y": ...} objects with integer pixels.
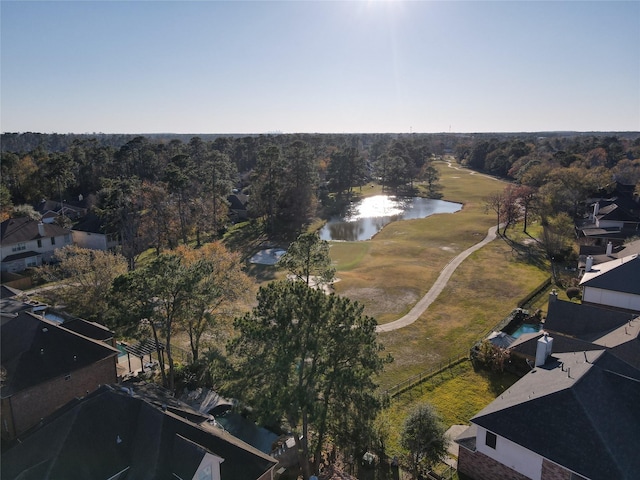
[
  {"x": 553, "y": 296},
  {"x": 609, "y": 249},
  {"x": 41, "y": 229},
  {"x": 596, "y": 209},
  {"x": 589, "y": 264},
  {"x": 543, "y": 349}
]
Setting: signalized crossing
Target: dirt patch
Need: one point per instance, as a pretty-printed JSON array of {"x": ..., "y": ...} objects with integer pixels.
[{"x": 378, "y": 301}]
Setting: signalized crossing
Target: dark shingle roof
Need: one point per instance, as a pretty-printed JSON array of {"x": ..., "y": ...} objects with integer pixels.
[
  {"x": 621, "y": 275},
  {"x": 88, "y": 329},
  {"x": 582, "y": 320},
  {"x": 23, "y": 229},
  {"x": 527, "y": 344},
  {"x": 91, "y": 223},
  {"x": 579, "y": 410},
  {"x": 35, "y": 350},
  {"x": 8, "y": 292},
  {"x": 111, "y": 430}
]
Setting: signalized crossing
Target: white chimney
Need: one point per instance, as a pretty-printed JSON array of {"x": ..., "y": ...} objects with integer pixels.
[
  {"x": 596, "y": 209},
  {"x": 589, "y": 265},
  {"x": 41, "y": 229},
  {"x": 544, "y": 348},
  {"x": 609, "y": 249}
]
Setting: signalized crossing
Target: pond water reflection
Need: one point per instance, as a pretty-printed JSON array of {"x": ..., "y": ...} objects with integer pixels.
[{"x": 368, "y": 216}]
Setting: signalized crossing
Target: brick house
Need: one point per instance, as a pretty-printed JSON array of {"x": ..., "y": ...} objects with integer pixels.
[
  {"x": 575, "y": 416},
  {"x": 45, "y": 365}
]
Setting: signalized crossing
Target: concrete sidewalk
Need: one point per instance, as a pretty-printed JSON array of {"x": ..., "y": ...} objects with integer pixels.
[{"x": 420, "y": 307}]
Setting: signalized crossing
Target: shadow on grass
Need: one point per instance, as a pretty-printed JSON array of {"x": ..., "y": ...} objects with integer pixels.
[
  {"x": 245, "y": 238},
  {"x": 499, "y": 382},
  {"x": 530, "y": 252},
  {"x": 262, "y": 273}
]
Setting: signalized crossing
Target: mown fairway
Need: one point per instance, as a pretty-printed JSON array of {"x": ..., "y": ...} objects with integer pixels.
[{"x": 390, "y": 272}]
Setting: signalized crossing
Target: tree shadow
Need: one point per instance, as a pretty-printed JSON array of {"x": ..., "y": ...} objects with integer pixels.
[
  {"x": 261, "y": 273},
  {"x": 531, "y": 252}
]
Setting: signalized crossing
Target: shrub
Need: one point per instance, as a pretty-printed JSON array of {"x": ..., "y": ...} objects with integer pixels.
[{"x": 573, "y": 292}]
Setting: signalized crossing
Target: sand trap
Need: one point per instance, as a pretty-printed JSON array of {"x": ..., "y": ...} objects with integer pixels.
[{"x": 270, "y": 256}]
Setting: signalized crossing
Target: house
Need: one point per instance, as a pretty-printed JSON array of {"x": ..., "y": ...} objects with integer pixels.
[
  {"x": 238, "y": 207},
  {"x": 574, "y": 416},
  {"x": 615, "y": 284},
  {"x": 50, "y": 209},
  {"x": 579, "y": 327},
  {"x": 28, "y": 243},
  {"x": 45, "y": 365},
  {"x": 122, "y": 432},
  {"x": 90, "y": 232},
  {"x": 612, "y": 218},
  {"x": 600, "y": 254}
]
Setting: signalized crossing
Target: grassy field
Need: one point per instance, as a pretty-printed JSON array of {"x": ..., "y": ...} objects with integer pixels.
[
  {"x": 390, "y": 272},
  {"x": 457, "y": 394}
]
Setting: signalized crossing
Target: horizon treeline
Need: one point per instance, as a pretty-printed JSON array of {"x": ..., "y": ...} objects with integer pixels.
[{"x": 181, "y": 183}]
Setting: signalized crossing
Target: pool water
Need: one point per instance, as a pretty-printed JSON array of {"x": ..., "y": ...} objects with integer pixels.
[
  {"x": 526, "y": 328},
  {"x": 123, "y": 352}
]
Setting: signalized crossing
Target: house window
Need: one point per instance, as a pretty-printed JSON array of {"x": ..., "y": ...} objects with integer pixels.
[
  {"x": 39, "y": 243},
  {"x": 67, "y": 238},
  {"x": 490, "y": 440},
  {"x": 18, "y": 247},
  {"x": 53, "y": 240}
]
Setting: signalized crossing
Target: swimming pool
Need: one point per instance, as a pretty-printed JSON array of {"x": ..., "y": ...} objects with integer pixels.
[{"x": 526, "y": 328}]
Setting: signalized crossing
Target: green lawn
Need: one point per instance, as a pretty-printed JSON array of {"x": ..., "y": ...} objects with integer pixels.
[
  {"x": 389, "y": 273},
  {"x": 457, "y": 394}
]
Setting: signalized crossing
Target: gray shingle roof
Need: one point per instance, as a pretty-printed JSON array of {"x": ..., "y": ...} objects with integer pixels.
[
  {"x": 16, "y": 230},
  {"x": 580, "y": 410},
  {"x": 620, "y": 275},
  {"x": 110, "y": 430},
  {"x": 584, "y": 321}
]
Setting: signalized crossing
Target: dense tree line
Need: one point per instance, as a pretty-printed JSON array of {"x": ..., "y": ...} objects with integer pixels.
[{"x": 159, "y": 191}]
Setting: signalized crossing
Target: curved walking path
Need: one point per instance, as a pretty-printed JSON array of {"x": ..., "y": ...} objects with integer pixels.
[{"x": 419, "y": 308}]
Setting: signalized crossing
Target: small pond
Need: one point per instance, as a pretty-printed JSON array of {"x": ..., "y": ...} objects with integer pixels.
[{"x": 368, "y": 216}]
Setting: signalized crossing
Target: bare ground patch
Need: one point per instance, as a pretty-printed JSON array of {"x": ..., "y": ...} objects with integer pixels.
[{"x": 380, "y": 301}]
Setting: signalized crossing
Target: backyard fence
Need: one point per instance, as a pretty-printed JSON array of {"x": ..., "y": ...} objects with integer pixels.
[
  {"x": 526, "y": 301},
  {"x": 411, "y": 382},
  {"x": 425, "y": 375}
]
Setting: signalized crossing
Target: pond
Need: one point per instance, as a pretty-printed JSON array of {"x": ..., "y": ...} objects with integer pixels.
[{"x": 368, "y": 216}]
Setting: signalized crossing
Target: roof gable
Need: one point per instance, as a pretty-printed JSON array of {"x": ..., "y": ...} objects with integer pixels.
[
  {"x": 582, "y": 320},
  {"x": 620, "y": 275},
  {"x": 112, "y": 430},
  {"x": 579, "y": 410},
  {"x": 35, "y": 349},
  {"x": 23, "y": 229}
]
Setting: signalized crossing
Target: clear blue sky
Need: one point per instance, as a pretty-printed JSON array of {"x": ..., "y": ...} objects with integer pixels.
[{"x": 330, "y": 66}]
